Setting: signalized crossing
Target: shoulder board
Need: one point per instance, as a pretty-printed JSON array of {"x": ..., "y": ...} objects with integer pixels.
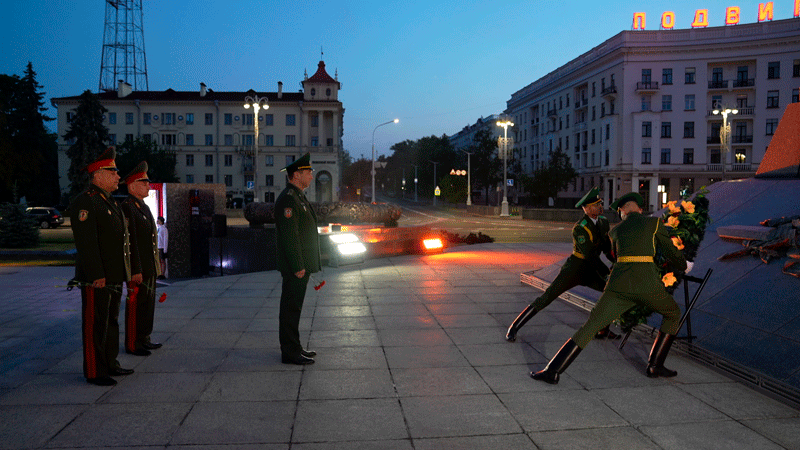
[
  {"x": 602, "y": 217},
  {"x": 583, "y": 223}
]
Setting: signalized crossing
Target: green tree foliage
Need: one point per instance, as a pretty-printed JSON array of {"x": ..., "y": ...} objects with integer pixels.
[
  {"x": 16, "y": 229},
  {"x": 454, "y": 188},
  {"x": 160, "y": 163},
  {"x": 420, "y": 153},
  {"x": 91, "y": 139},
  {"x": 550, "y": 180},
  {"x": 487, "y": 167},
  {"x": 28, "y": 150}
]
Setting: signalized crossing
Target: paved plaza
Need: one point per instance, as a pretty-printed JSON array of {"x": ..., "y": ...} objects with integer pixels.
[{"x": 411, "y": 356}]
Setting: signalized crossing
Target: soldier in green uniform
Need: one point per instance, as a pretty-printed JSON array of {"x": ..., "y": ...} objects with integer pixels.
[
  {"x": 298, "y": 256},
  {"x": 634, "y": 280},
  {"x": 583, "y": 267},
  {"x": 140, "y": 303},
  {"x": 102, "y": 265}
]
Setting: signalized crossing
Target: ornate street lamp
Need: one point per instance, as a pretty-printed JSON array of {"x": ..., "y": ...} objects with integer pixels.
[
  {"x": 257, "y": 103},
  {"x": 724, "y": 134},
  {"x": 505, "y": 124}
]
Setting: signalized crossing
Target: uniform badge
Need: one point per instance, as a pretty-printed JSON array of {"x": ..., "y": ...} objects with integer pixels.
[
  {"x": 83, "y": 215},
  {"x": 581, "y": 239},
  {"x": 287, "y": 212}
]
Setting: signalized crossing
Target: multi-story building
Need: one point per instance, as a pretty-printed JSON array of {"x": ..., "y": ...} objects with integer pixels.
[
  {"x": 636, "y": 112},
  {"x": 464, "y": 138},
  {"x": 213, "y": 135}
]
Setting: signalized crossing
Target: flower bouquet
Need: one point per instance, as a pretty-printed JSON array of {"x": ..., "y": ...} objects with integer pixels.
[{"x": 686, "y": 222}]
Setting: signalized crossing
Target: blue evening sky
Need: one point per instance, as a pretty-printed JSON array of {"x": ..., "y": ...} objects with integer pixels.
[{"x": 437, "y": 65}]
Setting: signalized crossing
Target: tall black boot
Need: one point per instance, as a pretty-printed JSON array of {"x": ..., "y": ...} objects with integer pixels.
[
  {"x": 569, "y": 351},
  {"x": 655, "y": 364},
  {"x": 606, "y": 333},
  {"x": 521, "y": 319}
]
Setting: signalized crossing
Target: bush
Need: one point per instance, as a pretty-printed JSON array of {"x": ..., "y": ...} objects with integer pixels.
[{"x": 16, "y": 229}]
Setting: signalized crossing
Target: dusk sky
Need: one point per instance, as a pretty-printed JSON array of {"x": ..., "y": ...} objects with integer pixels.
[{"x": 436, "y": 65}]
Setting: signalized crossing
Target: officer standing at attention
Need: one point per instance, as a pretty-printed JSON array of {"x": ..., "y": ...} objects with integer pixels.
[
  {"x": 298, "y": 256},
  {"x": 634, "y": 280},
  {"x": 102, "y": 265},
  {"x": 145, "y": 264},
  {"x": 583, "y": 267}
]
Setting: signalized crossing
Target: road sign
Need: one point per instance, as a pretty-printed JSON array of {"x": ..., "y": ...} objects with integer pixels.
[
  {"x": 510, "y": 182},
  {"x": 250, "y": 185},
  {"x": 438, "y": 191}
]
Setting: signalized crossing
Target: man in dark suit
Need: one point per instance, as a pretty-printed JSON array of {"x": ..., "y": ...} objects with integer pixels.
[
  {"x": 584, "y": 267},
  {"x": 298, "y": 256},
  {"x": 634, "y": 280},
  {"x": 145, "y": 264},
  {"x": 102, "y": 265}
]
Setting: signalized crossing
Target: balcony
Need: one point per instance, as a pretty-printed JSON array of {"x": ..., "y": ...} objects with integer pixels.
[
  {"x": 552, "y": 113},
  {"x": 744, "y": 83},
  {"x": 581, "y": 103},
  {"x": 742, "y": 167},
  {"x": 713, "y": 139},
  {"x": 647, "y": 86},
  {"x": 610, "y": 91},
  {"x": 718, "y": 84},
  {"x": 714, "y": 167},
  {"x": 742, "y": 139}
]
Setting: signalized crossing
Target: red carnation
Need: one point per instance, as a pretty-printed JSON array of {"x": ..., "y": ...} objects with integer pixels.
[
  {"x": 162, "y": 298},
  {"x": 319, "y": 286}
]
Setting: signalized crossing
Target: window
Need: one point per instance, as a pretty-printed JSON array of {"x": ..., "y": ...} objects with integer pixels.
[
  {"x": 189, "y": 160},
  {"x": 269, "y": 140},
  {"x": 688, "y": 102},
  {"x": 607, "y": 155},
  {"x": 713, "y": 156},
  {"x": 666, "y": 103},
  {"x": 189, "y": 139},
  {"x": 315, "y": 141},
  {"x": 290, "y": 120},
  {"x": 314, "y": 121},
  {"x": 169, "y": 139},
  {"x": 128, "y": 138},
  {"x": 646, "y": 103},
  {"x": 209, "y": 139},
  {"x": 716, "y": 101},
  {"x": 774, "y": 70},
  {"x": 666, "y": 129},
  {"x": 227, "y": 119},
  {"x": 772, "y": 125},
  {"x": 247, "y": 119},
  {"x": 112, "y": 138},
  {"x": 209, "y": 119},
  {"x": 112, "y": 118},
  {"x": 688, "y": 156},
  {"x": 594, "y": 88},
  {"x": 688, "y": 129},
  {"x": 647, "y": 129},
  {"x": 741, "y": 74},
  {"x": 608, "y": 131},
  {"x": 209, "y": 160},
  {"x": 740, "y": 155},
  {"x": 594, "y": 116},
  {"x": 795, "y": 95},
  {"x": 716, "y": 78},
  {"x": 190, "y": 178},
  {"x": 290, "y": 140},
  {"x": 289, "y": 159},
  {"x": 169, "y": 118},
  {"x": 772, "y": 99},
  {"x": 690, "y": 76},
  {"x": 269, "y": 180},
  {"x": 228, "y": 160},
  {"x": 228, "y": 139},
  {"x": 593, "y": 138},
  {"x": 128, "y": 118},
  {"x": 146, "y": 137},
  {"x": 146, "y": 118},
  {"x": 796, "y": 68},
  {"x": 228, "y": 180},
  {"x": 189, "y": 118},
  {"x": 646, "y": 76},
  {"x": 645, "y": 156},
  {"x": 666, "y": 76},
  {"x": 268, "y": 119},
  {"x": 247, "y": 139},
  {"x": 666, "y": 155},
  {"x": 209, "y": 178}
]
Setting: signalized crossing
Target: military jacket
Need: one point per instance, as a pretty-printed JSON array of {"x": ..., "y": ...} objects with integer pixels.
[
  {"x": 101, "y": 238},
  {"x": 639, "y": 235},
  {"x": 144, "y": 238},
  {"x": 296, "y": 232}
]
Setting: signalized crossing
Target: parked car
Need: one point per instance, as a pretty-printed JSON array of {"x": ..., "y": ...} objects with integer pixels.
[{"x": 47, "y": 217}]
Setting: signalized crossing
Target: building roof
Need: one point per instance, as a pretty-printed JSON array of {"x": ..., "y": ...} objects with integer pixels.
[
  {"x": 190, "y": 96},
  {"x": 322, "y": 76},
  {"x": 782, "y": 159}
]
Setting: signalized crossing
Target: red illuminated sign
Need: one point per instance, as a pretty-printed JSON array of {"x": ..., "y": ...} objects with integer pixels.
[{"x": 732, "y": 16}]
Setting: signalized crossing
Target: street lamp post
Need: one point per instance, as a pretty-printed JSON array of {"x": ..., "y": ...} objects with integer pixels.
[
  {"x": 434, "y": 180},
  {"x": 257, "y": 103},
  {"x": 373, "y": 154},
  {"x": 505, "y": 124},
  {"x": 724, "y": 134},
  {"x": 469, "y": 174},
  {"x": 416, "y": 179}
]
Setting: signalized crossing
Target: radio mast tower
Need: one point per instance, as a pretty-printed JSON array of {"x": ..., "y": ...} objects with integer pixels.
[{"x": 123, "y": 46}]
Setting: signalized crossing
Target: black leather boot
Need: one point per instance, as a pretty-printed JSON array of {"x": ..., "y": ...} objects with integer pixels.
[
  {"x": 606, "y": 333},
  {"x": 655, "y": 364},
  {"x": 569, "y": 351},
  {"x": 521, "y": 319}
]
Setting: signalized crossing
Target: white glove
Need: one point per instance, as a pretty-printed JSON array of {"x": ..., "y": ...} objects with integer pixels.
[{"x": 689, "y": 266}]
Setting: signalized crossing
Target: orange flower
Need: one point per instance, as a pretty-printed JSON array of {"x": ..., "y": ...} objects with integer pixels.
[
  {"x": 688, "y": 207},
  {"x": 673, "y": 208},
  {"x": 673, "y": 222},
  {"x": 677, "y": 242},
  {"x": 669, "y": 279}
]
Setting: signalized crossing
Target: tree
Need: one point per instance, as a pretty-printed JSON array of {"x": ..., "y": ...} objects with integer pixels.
[
  {"x": 487, "y": 168},
  {"x": 421, "y": 153},
  {"x": 90, "y": 140},
  {"x": 160, "y": 163},
  {"x": 16, "y": 229},
  {"x": 548, "y": 181}
]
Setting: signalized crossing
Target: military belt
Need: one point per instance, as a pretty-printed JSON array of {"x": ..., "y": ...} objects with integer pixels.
[
  {"x": 579, "y": 255},
  {"x": 634, "y": 259}
]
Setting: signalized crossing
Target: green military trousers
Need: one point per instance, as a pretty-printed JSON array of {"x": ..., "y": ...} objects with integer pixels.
[
  {"x": 613, "y": 304},
  {"x": 292, "y": 295},
  {"x": 572, "y": 274},
  {"x": 100, "y": 329},
  {"x": 139, "y": 312}
]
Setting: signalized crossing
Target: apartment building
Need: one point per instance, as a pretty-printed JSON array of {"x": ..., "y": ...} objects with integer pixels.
[
  {"x": 214, "y": 136},
  {"x": 636, "y": 113}
]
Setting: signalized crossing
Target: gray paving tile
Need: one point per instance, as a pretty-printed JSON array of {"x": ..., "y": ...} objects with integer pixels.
[
  {"x": 727, "y": 434},
  {"x": 439, "y": 381},
  {"x": 256, "y": 359},
  {"x": 143, "y": 387},
  {"x": 168, "y": 359},
  {"x": 236, "y": 423},
  {"x": 414, "y": 337},
  {"x": 404, "y": 444},
  {"x": 516, "y": 379},
  {"x": 499, "y": 353},
  {"x": 55, "y": 389},
  {"x": 560, "y": 410},
  {"x": 462, "y": 415},
  {"x": 594, "y": 438},
  {"x": 203, "y": 325},
  {"x": 739, "y": 402},
  {"x": 348, "y": 420},
  {"x": 398, "y": 322},
  {"x": 506, "y": 441},
  {"x": 24, "y": 427},
  {"x": 434, "y": 356},
  {"x": 341, "y": 323},
  {"x": 344, "y": 338},
  {"x": 203, "y": 339},
  {"x": 350, "y": 358},
  {"x": 252, "y": 386},
  {"x": 657, "y": 405},
  {"x": 785, "y": 432},
  {"x": 346, "y": 384}
]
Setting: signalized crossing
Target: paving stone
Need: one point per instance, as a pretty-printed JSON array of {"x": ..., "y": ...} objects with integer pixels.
[
  {"x": 348, "y": 420},
  {"x": 560, "y": 410},
  {"x": 727, "y": 434},
  {"x": 236, "y": 423},
  {"x": 627, "y": 438},
  {"x": 462, "y": 415}
]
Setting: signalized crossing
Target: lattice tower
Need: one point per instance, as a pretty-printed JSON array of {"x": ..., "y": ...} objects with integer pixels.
[{"x": 123, "y": 46}]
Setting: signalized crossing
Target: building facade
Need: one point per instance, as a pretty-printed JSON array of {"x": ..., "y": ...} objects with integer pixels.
[
  {"x": 636, "y": 112},
  {"x": 213, "y": 135},
  {"x": 464, "y": 138}
]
